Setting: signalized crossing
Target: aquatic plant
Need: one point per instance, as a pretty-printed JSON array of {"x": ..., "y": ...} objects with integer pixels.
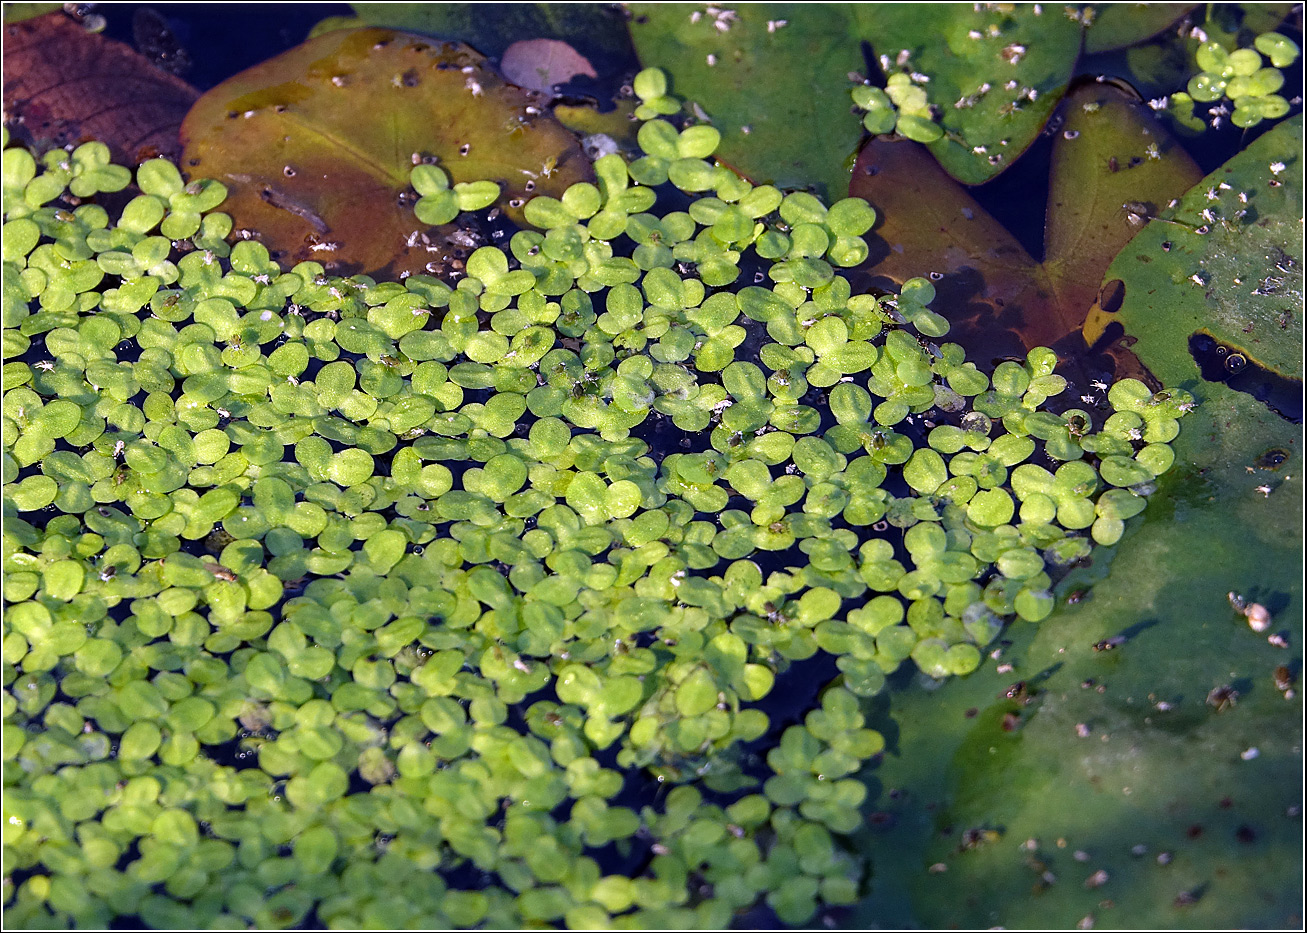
[
  {"x": 1247, "y": 77},
  {"x": 348, "y": 599},
  {"x": 1106, "y": 734}
]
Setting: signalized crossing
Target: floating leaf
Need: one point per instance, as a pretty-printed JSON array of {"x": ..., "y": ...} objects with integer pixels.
[
  {"x": 1115, "y": 27},
  {"x": 995, "y": 72},
  {"x": 1110, "y": 151},
  {"x": 540, "y": 64},
  {"x": 767, "y": 68},
  {"x": 595, "y": 32},
  {"x": 338, "y": 123},
  {"x": 1234, "y": 290}
]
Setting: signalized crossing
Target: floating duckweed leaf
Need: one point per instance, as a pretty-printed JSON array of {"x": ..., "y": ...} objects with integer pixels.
[
  {"x": 1124, "y": 471},
  {"x": 925, "y": 471},
  {"x": 696, "y": 694},
  {"x": 350, "y": 467},
  {"x": 302, "y": 194},
  {"x": 140, "y": 741}
]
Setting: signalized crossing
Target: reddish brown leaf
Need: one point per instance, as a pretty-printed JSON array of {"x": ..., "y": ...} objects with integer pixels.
[
  {"x": 1111, "y": 151},
  {"x": 539, "y": 64},
  {"x": 316, "y": 146},
  {"x": 65, "y": 85},
  {"x": 1001, "y": 302}
]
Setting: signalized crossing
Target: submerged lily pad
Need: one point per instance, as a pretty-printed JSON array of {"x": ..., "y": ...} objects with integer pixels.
[{"x": 316, "y": 146}]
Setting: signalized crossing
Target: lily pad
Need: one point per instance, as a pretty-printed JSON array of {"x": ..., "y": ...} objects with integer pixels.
[
  {"x": 1118, "y": 25},
  {"x": 771, "y": 77},
  {"x": 1122, "y": 778},
  {"x": 995, "y": 72},
  {"x": 595, "y": 31},
  {"x": 999, "y": 300},
  {"x": 316, "y": 146},
  {"x": 1196, "y": 287}
]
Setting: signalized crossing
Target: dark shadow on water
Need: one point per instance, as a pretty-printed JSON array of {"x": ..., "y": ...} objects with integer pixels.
[
  {"x": 221, "y": 39},
  {"x": 1220, "y": 362}
]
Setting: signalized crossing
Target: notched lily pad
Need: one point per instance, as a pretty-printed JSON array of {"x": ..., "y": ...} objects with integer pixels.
[
  {"x": 1217, "y": 284},
  {"x": 316, "y": 146},
  {"x": 769, "y": 75},
  {"x": 1111, "y": 151},
  {"x": 996, "y": 76}
]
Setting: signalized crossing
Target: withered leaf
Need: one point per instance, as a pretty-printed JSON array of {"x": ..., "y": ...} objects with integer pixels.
[{"x": 64, "y": 85}]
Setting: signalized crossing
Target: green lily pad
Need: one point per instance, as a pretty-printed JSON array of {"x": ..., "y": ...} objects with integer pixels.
[
  {"x": 1241, "y": 279},
  {"x": 1171, "y": 800},
  {"x": 596, "y": 32},
  {"x": 771, "y": 76},
  {"x": 762, "y": 70},
  {"x": 983, "y": 64},
  {"x": 304, "y": 140},
  {"x": 1116, "y": 26}
]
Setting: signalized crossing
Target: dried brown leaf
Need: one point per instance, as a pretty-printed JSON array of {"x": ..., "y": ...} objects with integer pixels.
[{"x": 64, "y": 85}]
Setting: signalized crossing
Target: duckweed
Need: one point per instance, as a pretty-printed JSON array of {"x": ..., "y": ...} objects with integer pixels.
[
  {"x": 396, "y": 602},
  {"x": 1241, "y": 76},
  {"x": 900, "y": 107}
]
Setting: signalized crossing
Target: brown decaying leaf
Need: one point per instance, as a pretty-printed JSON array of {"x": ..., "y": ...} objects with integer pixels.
[
  {"x": 539, "y": 64},
  {"x": 316, "y": 146},
  {"x": 64, "y": 85},
  {"x": 1001, "y": 302}
]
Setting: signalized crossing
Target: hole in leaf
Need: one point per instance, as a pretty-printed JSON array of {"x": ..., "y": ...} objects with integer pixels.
[{"x": 1218, "y": 362}]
